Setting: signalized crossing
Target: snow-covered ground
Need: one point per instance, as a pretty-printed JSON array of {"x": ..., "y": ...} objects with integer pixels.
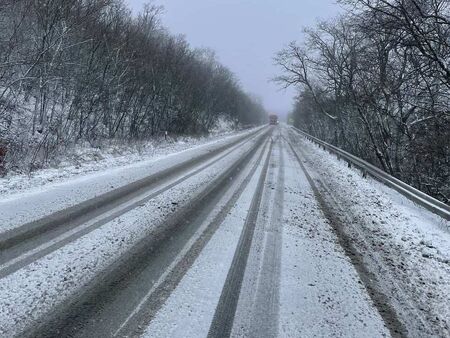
[
  {"x": 320, "y": 293},
  {"x": 300, "y": 278},
  {"x": 55, "y": 190},
  {"x": 404, "y": 245},
  {"x": 190, "y": 309},
  {"x": 29, "y": 293},
  {"x": 86, "y": 160}
]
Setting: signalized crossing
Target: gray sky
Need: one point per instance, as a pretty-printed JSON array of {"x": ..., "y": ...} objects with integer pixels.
[{"x": 246, "y": 34}]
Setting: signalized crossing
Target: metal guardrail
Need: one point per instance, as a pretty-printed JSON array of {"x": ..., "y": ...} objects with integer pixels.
[{"x": 411, "y": 193}]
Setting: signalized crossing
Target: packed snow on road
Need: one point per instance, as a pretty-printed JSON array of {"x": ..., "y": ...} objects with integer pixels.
[{"x": 258, "y": 233}]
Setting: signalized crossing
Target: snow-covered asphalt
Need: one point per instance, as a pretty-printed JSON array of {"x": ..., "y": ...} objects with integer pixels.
[{"x": 260, "y": 234}]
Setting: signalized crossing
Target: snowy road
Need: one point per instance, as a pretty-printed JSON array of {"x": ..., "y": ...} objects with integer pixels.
[{"x": 261, "y": 234}]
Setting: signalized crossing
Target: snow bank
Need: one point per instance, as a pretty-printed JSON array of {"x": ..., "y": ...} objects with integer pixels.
[{"x": 84, "y": 160}]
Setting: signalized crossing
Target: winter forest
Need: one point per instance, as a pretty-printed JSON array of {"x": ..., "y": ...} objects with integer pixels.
[
  {"x": 88, "y": 71},
  {"x": 376, "y": 82}
]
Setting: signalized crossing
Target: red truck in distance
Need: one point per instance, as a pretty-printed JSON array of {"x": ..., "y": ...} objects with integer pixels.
[{"x": 273, "y": 119}]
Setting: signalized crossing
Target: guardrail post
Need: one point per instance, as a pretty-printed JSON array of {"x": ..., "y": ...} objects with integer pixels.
[{"x": 364, "y": 172}]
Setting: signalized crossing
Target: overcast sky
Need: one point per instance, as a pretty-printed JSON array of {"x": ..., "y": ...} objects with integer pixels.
[{"x": 246, "y": 34}]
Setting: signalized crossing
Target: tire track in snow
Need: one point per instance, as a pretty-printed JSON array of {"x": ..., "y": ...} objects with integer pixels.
[
  {"x": 266, "y": 306},
  {"x": 157, "y": 297},
  {"x": 86, "y": 209},
  {"x": 377, "y": 221},
  {"x": 13, "y": 258},
  {"x": 380, "y": 300},
  {"x": 83, "y": 315},
  {"x": 223, "y": 319}
]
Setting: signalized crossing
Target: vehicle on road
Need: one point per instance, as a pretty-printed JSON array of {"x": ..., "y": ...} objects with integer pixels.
[{"x": 273, "y": 119}]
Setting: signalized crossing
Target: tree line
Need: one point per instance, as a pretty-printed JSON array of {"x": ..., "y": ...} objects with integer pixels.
[
  {"x": 375, "y": 81},
  {"x": 74, "y": 71}
]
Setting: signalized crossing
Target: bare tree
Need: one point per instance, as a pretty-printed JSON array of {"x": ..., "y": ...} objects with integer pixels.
[
  {"x": 76, "y": 71},
  {"x": 376, "y": 79}
]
